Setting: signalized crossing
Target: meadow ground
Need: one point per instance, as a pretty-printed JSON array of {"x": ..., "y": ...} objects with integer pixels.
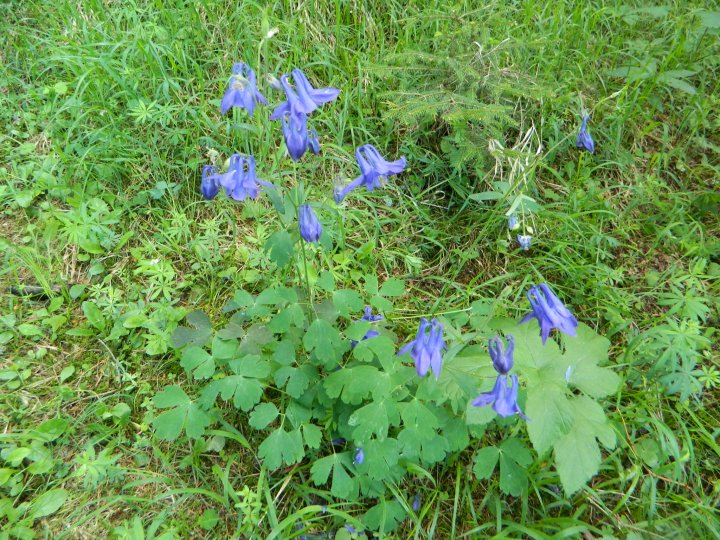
[{"x": 109, "y": 109}]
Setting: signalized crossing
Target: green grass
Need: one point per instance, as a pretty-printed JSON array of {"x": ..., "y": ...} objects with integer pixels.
[{"x": 109, "y": 110}]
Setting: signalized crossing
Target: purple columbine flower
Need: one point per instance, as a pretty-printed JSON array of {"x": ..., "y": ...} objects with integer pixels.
[
  {"x": 513, "y": 223},
  {"x": 240, "y": 181},
  {"x": 359, "y": 456},
  {"x": 374, "y": 169},
  {"x": 313, "y": 141},
  {"x": 584, "y": 140},
  {"x": 310, "y": 227},
  {"x": 524, "y": 240},
  {"x": 502, "y": 398},
  {"x": 368, "y": 316},
  {"x": 295, "y": 132},
  {"x": 242, "y": 90},
  {"x": 306, "y": 99},
  {"x": 502, "y": 357},
  {"x": 416, "y": 502},
  {"x": 550, "y": 312},
  {"x": 427, "y": 348},
  {"x": 209, "y": 185}
]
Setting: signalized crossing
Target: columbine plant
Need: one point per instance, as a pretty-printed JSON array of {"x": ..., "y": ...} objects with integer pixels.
[{"x": 362, "y": 412}]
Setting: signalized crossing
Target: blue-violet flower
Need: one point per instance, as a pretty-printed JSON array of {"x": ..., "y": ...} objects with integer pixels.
[
  {"x": 524, "y": 240},
  {"x": 242, "y": 90},
  {"x": 209, "y": 185},
  {"x": 313, "y": 141},
  {"x": 584, "y": 140},
  {"x": 374, "y": 170},
  {"x": 359, "y": 456},
  {"x": 306, "y": 99},
  {"x": 295, "y": 132},
  {"x": 240, "y": 181},
  {"x": 310, "y": 227},
  {"x": 427, "y": 348},
  {"x": 550, "y": 312},
  {"x": 502, "y": 357},
  {"x": 502, "y": 398}
]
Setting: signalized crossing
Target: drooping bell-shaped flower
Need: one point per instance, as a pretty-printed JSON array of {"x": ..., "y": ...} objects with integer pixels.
[
  {"x": 242, "y": 90},
  {"x": 584, "y": 140},
  {"x": 359, "y": 456},
  {"x": 241, "y": 181},
  {"x": 313, "y": 141},
  {"x": 524, "y": 240},
  {"x": 295, "y": 132},
  {"x": 502, "y": 357},
  {"x": 310, "y": 227},
  {"x": 550, "y": 312},
  {"x": 374, "y": 170},
  {"x": 427, "y": 348},
  {"x": 209, "y": 185},
  {"x": 502, "y": 398},
  {"x": 304, "y": 98},
  {"x": 513, "y": 223}
]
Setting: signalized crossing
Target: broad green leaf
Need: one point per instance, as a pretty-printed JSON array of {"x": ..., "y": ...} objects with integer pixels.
[
  {"x": 456, "y": 433},
  {"x": 385, "y": 516},
  {"x": 380, "y": 347},
  {"x": 374, "y": 418},
  {"x": 94, "y": 315},
  {"x": 284, "y": 353},
  {"x": 355, "y": 384},
  {"x": 48, "y": 503},
  {"x": 577, "y": 454},
  {"x": 514, "y": 449},
  {"x": 475, "y": 416},
  {"x": 51, "y": 429},
  {"x": 262, "y": 415},
  {"x": 550, "y": 416},
  {"x": 224, "y": 349},
  {"x": 348, "y": 303},
  {"x": 282, "y": 447},
  {"x": 326, "y": 281},
  {"x": 171, "y": 396},
  {"x": 392, "y": 287},
  {"x": 198, "y": 319},
  {"x": 256, "y": 337},
  {"x": 320, "y": 470},
  {"x": 198, "y": 362},
  {"x": 485, "y": 461},
  {"x": 312, "y": 435},
  {"x": 371, "y": 285},
  {"x": 280, "y": 248},
  {"x": 380, "y": 457},
  {"x": 251, "y": 365},
  {"x": 298, "y": 379},
  {"x": 182, "y": 413},
  {"x": 580, "y": 361},
  {"x": 278, "y": 296},
  {"x": 513, "y": 477},
  {"x": 198, "y": 335},
  {"x": 324, "y": 341},
  {"x": 291, "y": 315},
  {"x": 245, "y": 392},
  {"x": 419, "y": 436},
  {"x": 342, "y": 485}
]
